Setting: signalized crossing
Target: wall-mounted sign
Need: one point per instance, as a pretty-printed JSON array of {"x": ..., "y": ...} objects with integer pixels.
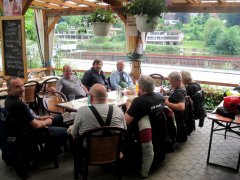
[{"x": 13, "y": 47}]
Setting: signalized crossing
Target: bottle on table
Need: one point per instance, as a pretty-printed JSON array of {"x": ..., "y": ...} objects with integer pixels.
[{"x": 136, "y": 87}]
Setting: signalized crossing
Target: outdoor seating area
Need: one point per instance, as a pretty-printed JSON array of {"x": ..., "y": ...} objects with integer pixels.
[{"x": 119, "y": 115}]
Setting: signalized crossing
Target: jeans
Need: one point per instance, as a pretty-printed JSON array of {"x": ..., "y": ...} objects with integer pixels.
[{"x": 57, "y": 132}]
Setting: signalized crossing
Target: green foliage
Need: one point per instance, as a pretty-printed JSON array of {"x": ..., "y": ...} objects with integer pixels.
[
  {"x": 62, "y": 27},
  {"x": 102, "y": 15},
  {"x": 193, "y": 44},
  {"x": 214, "y": 35},
  {"x": 152, "y": 8},
  {"x": 229, "y": 42},
  {"x": 213, "y": 96},
  {"x": 209, "y": 26},
  {"x": 153, "y": 48},
  {"x": 102, "y": 43},
  {"x": 99, "y": 15},
  {"x": 30, "y": 25},
  {"x": 194, "y": 29}
]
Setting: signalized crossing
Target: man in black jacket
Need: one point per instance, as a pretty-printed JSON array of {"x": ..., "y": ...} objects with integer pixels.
[{"x": 95, "y": 75}]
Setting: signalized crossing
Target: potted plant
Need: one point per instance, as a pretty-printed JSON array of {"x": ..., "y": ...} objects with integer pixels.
[
  {"x": 147, "y": 13},
  {"x": 101, "y": 20}
]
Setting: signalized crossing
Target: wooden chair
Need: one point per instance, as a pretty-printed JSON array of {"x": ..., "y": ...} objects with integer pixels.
[
  {"x": 102, "y": 147},
  {"x": 50, "y": 100},
  {"x": 158, "y": 79},
  {"x": 46, "y": 85},
  {"x": 30, "y": 95},
  {"x": 36, "y": 74},
  {"x": 189, "y": 115}
]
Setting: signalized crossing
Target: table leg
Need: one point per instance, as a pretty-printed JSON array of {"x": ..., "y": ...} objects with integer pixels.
[{"x": 210, "y": 142}]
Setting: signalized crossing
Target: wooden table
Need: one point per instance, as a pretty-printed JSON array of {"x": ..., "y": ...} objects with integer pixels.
[
  {"x": 74, "y": 105},
  {"x": 227, "y": 125}
]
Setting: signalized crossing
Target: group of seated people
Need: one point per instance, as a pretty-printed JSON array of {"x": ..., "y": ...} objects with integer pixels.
[{"x": 24, "y": 123}]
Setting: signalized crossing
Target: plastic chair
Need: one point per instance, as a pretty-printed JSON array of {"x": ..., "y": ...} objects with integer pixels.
[
  {"x": 30, "y": 95},
  {"x": 158, "y": 79},
  {"x": 102, "y": 147}
]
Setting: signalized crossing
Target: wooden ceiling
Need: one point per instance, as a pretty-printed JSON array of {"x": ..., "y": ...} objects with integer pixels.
[{"x": 73, "y": 7}]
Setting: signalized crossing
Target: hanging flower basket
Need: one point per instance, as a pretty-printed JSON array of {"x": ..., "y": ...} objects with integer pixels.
[
  {"x": 144, "y": 25},
  {"x": 101, "y": 28},
  {"x": 147, "y": 13},
  {"x": 100, "y": 19}
]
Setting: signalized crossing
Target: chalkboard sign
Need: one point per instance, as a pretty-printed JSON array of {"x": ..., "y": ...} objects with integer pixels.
[{"x": 13, "y": 47}]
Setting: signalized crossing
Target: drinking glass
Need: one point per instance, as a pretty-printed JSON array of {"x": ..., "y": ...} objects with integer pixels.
[{"x": 71, "y": 99}]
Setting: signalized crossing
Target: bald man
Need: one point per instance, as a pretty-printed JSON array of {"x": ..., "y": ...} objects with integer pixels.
[
  {"x": 85, "y": 119},
  {"x": 69, "y": 84},
  {"x": 119, "y": 78}
]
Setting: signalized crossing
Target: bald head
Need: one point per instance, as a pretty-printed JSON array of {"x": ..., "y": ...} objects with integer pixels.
[
  {"x": 120, "y": 66},
  {"x": 98, "y": 93},
  {"x": 67, "y": 71}
]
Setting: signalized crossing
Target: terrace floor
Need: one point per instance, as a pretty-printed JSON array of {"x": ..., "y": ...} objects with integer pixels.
[{"x": 186, "y": 163}]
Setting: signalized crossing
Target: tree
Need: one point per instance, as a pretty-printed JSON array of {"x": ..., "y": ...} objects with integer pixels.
[
  {"x": 62, "y": 27},
  {"x": 193, "y": 30},
  {"x": 209, "y": 26},
  {"x": 214, "y": 35},
  {"x": 30, "y": 25},
  {"x": 229, "y": 42}
]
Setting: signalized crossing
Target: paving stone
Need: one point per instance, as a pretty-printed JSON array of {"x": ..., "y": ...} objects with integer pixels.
[{"x": 188, "y": 162}]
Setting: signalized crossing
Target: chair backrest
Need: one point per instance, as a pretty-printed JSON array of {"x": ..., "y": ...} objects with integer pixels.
[
  {"x": 48, "y": 83},
  {"x": 158, "y": 79},
  {"x": 189, "y": 115},
  {"x": 50, "y": 100},
  {"x": 30, "y": 91},
  {"x": 103, "y": 144}
]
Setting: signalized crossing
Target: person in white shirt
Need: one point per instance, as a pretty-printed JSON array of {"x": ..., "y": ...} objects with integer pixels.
[{"x": 119, "y": 78}]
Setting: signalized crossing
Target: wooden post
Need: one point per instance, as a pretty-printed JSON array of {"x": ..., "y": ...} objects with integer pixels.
[
  {"x": 134, "y": 47},
  {"x": 46, "y": 42}
]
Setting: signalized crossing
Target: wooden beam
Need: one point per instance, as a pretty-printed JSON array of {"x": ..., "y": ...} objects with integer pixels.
[
  {"x": 91, "y": 4},
  {"x": 68, "y": 12},
  {"x": 61, "y": 3},
  {"x": 122, "y": 17},
  {"x": 205, "y": 7},
  {"x": 44, "y": 5},
  {"x": 26, "y": 5},
  {"x": 50, "y": 28}
]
